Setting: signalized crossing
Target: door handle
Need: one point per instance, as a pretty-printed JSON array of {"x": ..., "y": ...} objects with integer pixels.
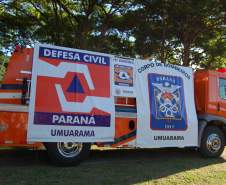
[{"x": 218, "y": 107}]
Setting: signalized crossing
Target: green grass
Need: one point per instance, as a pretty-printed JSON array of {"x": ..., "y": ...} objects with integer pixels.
[{"x": 146, "y": 167}]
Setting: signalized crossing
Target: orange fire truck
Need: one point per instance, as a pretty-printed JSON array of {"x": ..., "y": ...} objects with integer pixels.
[{"x": 210, "y": 99}]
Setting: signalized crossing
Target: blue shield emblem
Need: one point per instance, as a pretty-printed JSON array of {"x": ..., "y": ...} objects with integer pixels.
[{"x": 167, "y": 106}]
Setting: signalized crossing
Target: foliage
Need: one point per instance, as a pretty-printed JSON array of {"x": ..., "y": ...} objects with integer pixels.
[
  {"x": 189, "y": 33},
  {"x": 87, "y": 25},
  {"x": 3, "y": 65},
  {"x": 177, "y": 31}
]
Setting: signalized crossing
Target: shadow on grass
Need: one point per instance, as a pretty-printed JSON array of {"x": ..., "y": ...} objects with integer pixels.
[{"x": 121, "y": 166}]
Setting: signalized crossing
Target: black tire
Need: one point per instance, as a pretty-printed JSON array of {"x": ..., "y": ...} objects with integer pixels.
[
  {"x": 212, "y": 142},
  {"x": 61, "y": 156}
]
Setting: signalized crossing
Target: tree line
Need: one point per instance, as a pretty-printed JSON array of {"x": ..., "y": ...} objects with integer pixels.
[{"x": 184, "y": 32}]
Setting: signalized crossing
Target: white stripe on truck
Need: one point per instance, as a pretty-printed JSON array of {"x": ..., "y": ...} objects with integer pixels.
[{"x": 10, "y": 95}]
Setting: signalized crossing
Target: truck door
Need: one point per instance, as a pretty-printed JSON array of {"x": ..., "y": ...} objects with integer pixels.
[{"x": 222, "y": 96}]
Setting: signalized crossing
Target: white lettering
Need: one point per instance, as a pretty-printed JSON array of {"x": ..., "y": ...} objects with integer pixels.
[
  {"x": 69, "y": 119},
  {"x": 76, "y": 56},
  {"x": 70, "y": 55},
  {"x": 47, "y": 52},
  {"x": 59, "y": 54},
  {"x": 86, "y": 58},
  {"x": 54, "y": 53},
  {"x": 62, "y": 119},
  {"x": 84, "y": 120},
  {"x": 55, "y": 118},
  {"x": 67, "y": 55},
  {"x": 92, "y": 120},
  {"x": 76, "y": 120}
]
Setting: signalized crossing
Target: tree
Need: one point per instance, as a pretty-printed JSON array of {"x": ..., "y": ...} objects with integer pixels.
[
  {"x": 3, "y": 64},
  {"x": 87, "y": 24},
  {"x": 178, "y": 30},
  {"x": 189, "y": 33}
]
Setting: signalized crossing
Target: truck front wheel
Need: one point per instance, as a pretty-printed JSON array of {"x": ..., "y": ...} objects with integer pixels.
[
  {"x": 67, "y": 153},
  {"x": 213, "y": 142}
]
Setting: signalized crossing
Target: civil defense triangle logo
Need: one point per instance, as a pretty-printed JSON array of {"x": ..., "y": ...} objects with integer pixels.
[{"x": 167, "y": 104}]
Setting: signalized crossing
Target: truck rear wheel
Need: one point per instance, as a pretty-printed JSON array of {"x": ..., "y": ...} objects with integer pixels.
[
  {"x": 213, "y": 142},
  {"x": 67, "y": 153}
]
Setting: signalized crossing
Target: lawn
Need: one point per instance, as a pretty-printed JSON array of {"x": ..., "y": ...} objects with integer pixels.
[{"x": 145, "y": 167}]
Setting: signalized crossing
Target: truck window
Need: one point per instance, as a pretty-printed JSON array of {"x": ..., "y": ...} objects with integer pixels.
[{"x": 223, "y": 88}]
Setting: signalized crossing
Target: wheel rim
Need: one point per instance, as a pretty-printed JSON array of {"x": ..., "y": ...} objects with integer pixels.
[
  {"x": 70, "y": 149},
  {"x": 213, "y": 143}
]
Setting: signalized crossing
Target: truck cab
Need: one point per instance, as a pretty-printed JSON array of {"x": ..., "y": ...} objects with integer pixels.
[
  {"x": 210, "y": 99},
  {"x": 210, "y": 93}
]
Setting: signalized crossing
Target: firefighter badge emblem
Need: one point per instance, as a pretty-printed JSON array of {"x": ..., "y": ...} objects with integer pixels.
[{"x": 167, "y": 106}]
